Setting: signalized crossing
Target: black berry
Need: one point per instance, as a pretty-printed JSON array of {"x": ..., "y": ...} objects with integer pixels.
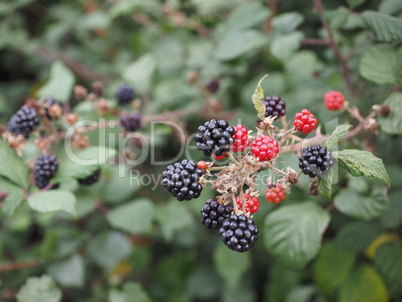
[
  {"x": 213, "y": 85},
  {"x": 274, "y": 106},
  {"x": 49, "y": 102},
  {"x": 215, "y": 137},
  {"x": 181, "y": 180},
  {"x": 316, "y": 160},
  {"x": 91, "y": 179},
  {"x": 213, "y": 214},
  {"x": 45, "y": 169},
  {"x": 24, "y": 121},
  {"x": 131, "y": 122},
  {"x": 125, "y": 94},
  {"x": 239, "y": 233}
]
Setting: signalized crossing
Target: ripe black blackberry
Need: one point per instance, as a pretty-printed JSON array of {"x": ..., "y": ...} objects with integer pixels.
[
  {"x": 91, "y": 179},
  {"x": 24, "y": 121},
  {"x": 274, "y": 106},
  {"x": 45, "y": 169},
  {"x": 239, "y": 233},
  {"x": 131, "y": 122},
  {"x": 49, "y": 102},
  {"x": 181, "y": 180},
  {"x": 316, "y": 160},
  {"x": 213, "y": 85},
  {"x": 213, "y": 214},
  {"x": 125, "y": 94},
  {"x": 215, "y": 137}
]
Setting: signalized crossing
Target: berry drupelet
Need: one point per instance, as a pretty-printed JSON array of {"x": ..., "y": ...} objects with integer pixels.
[
  {"x": 215, "y": 137},
  {"x": 305, "y": 121},
  {"x": 264, "y": 148},
  {"x": 91, "y": 179},
  {"x": 45, "y": 169},
  {"x": 334, "y": 100},
  {"x": 316, "y": 160},
  {"x": 125, "y": 94},
  {"x": 181, "y": 180},
  {"x": 213, "y": 214},
  {"x": 253, "y": 204},
  {"x": 274, "y": 106},
  {"x": 49, "y": 102},
  {"x": 24, "y": 121},
  {"x": 239, "y": 233},
  {"x": 131, "y": 122},
  {"x": 241, "y": 139}
]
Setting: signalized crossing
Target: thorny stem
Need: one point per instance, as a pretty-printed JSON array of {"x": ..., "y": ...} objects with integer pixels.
[
  {"x": 234, "y": 203},
  {"x": 279, "y": 171},
  {"x": 243, "y": 200},
  {"x": 12, "y": 266}
]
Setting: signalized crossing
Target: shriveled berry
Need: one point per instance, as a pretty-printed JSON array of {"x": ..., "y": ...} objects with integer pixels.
[
  {"x": 305, "y": 121},
  {"x": 253, "y": 203},
  {"x": 213, "y": 214},
  {"x": 275, "y": 194},
  {"x": 49, "y": 102},
  {"x": 264, "y": 148},
  {"x": 241, "y": 140},
  {"x": 334, "y": 100}
]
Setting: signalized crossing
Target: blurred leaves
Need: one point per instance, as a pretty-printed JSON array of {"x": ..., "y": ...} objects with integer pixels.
[
  {"x": 140, "y": 73},
  {"x": 384, "y": 27},
  {"x": 392, "y": 123},
  {"x": 53, "y": 200},
  {"x": 39, "y": 289},
  {"x": 69, "y": 273},
  {"x": 13, "y": 168}
]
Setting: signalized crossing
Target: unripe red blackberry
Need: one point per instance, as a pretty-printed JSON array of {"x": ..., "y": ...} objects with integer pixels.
[
  {"x": 316, "y": 160},
  {"x": 49, "y": 102},
  {"x": 214, "y": 137},
  {"x": 213, "y": 214},
  {"x": 24, "y": 121},
  {"x": 125, "y": 94},
  {"x": 305, "y": 121},
  {"x": 264, "y": 148},
  {"x": 131, "y": 122},
  {"x": 181, "y": 180},
  {"x": 274, "y": 106},
  {"x": 45, "y": 169},
  {"x": 334, "y": 100},
  {"x": 241, "y": 139},
  {"x": 275, "y": 194},
  {"x": 252, "y": 204},
  {"x": 91, "y": 179},
  {"x": 239, "y": 233}
]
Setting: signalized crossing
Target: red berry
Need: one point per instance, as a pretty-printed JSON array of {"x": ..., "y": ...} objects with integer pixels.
[
  {"x": 305, "y": 121},
  {"x": 220, "y": 157},
  {"x": 275, "y": 195},
  {"x": 202, "y": 165},
  {"x": 252, "y": 203},
  {"x": 241, "y": 139},
  {"x": 264, "y": 148},
  {"x": 334, "y": 100}
]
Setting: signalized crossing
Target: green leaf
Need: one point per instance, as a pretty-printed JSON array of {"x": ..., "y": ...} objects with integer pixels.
[
  {"x": 133, "y": 217},
  {"x": 337, "y": 135},
  {"x": 362, "y": 163},
  {"x": 140, "y": 73},
  {"x": 301, "y": 294},
  {"x": 379, "y": 65},
  {"x": 325, "y": 187},
  {"x": 39, "y": 289},
  {"x": 388, "y": 262},
  {"x": 293, "y": 233},
  {"x": 286, "y": 23},
  {"x": 357, "y": 236},
  {"x": 103, "y": 249},
  {"x": 52, "y": 200},
  {"x": 13, "y": 168},
  {"x": 257, "y": 99},
  {"x": 131, "y": 292},
  {"x": 332, "y": 267},
  {"x": 352, "y": 204},
  {"x": 392, "y": 217},
  {"x": 12, "y": 201},
  {"x": 392, "y": 123},
  {"x": 70, "y": 272},
  {"x": 281, "y": 279},
  {"x": 284, "y": 46},
  {"x": 337, "y": 17},
  {"x": 364, "y": 285},
  {"x": 384, "y": 27},
  {"x": 60, "y": 84},
  {"x": 355, "y": 3},
  {"x": 237, "y": 43},
  {"x": 231, "y": 265},
  {"x": 247, "y": 15},
  {"x": 390, "y": 6}
]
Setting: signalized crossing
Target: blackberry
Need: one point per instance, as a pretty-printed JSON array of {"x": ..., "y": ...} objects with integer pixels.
[
  {"x": 213, "y": 85},
  {"x": 239, "y": 233},
  {"x": 45, "y": 169},
  {"x": 316, "y": 160},
  {"x": 49, "y": 102},
  {"x": 125, "y": 94},
  {"x": 181, "y": 180},
  {"x": 131, "y": 122},
  {"x": 24, "y": 121},
  {"x": 91, "y": 179},
  {"x": 215, "y": 137},
  {"x": 213, "y": 214},
  {"x": 274, "y": 106}
]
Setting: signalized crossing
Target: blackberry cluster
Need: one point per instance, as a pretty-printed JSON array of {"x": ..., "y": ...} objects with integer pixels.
[
  {"x": 239, "y": 233},
  {"x": 91, "y": 179},
  {"x": 131, "y": 122},
  {"x": 215, "y": 137},
  {"x": 274, "y": 106},
  {"x": 316, "y": 160},
  {"x": 45, "y": 169},
  {"x": 213, "y": 85},
  {"x": 125, "y": 94},
  {"x": 181, "y": 180},
  {"x": 24, "y": 121},
  {"x": 213, "y": 214},
  {"x": 49, "y": 102}
]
